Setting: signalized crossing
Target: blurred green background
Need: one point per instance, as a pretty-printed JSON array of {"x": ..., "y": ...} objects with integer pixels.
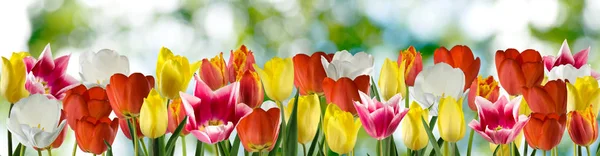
[{"x": 200, "y": 29}]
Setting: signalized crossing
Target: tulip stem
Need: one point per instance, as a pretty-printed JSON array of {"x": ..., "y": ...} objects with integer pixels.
[
  {"x": 525, "y": 148},
  {"x": 49, "y": 151},
  {"x": 217, "y": 149},
  {"x": 304, "y": 148},
  {"x": 470, "y": 146},
  {"x": 587, "y": 149},
  {"x": 144, "y": 146},
  {"x": 39, "y": 152},
  {"x": 183, "y": 148},
  {"x": 22, "y": 150},
  {"x": 380, "y": 147},
  {"x": 501, "y": 150},
  {"x": 9, "y": 134},
  {"x": 510, "y": 147},
  {"x": 75, "y": 148},
  {"x": 283, "y": 126}
]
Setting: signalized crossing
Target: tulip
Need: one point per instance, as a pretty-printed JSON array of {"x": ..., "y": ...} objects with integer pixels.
[
  {"x": 582, "y": 126},
  {"x": 35, "y": 121},
  {"x": 309, "y": 114},
  {"x": 258, "y": 130},
  {"x": 344, "y": 91},
  {"x": 240, "y": 61},
  {"x": 506, "y": 149},
  {"x": 91, "y": 134},
  {"x": 566, "y": 66},
  {"x": 176, "y": 115},
  {"x": 583, "y": 93},
  {"x": 550, "y": 98},
  {"x": 517, "y": 70},
  {"x": 97, "y": 67},
  {"x": 125, "y": 128},
  {"x": 391, "y": 79},
  {"x": 340, "y": 129},
  {"x": 13, "y": 77},
  {"x": 451, "y": 120},
  {"x": 487, "y": 88},
  {"x": 48, "y": 76},
  {"x": 414, "y": 64},
  {"x": 499, "y": 122},
  {"x": 213, "y": 115},
  {"x": 214, "y": 72},
  {"x": 173, "y": 73},
  {"x": 460, "y": 56},
  {"x": 251, "y": 89},
  {"x": 414, "y": 134},
  {"x": 381, "y": 118},
  {"x": 583, "y": 110},
  {"x": 277, "y": 78},
  {"x": 126, "y": 94},
  {"x": 548, "y": 118},
  {"x": 343, "y": 64},
  {"x": 437, "y": 81},
  {"x": 154, "y": 115},
  {"x": 309, "y": 72}
]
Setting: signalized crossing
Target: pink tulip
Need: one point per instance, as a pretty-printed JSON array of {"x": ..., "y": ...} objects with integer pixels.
[
  {"x": 499, "y": 122},
  {"x": 48, "y": 76},
  {"x": 379, "y": 119},
  {"x": 568, "y": 66},
  {"x": 213, "y": 115}
]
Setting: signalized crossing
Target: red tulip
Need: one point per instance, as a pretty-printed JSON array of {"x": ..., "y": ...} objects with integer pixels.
[
  {"x": 258, "y": 130},
  {"x": 550, "y": 98},
  {"x": 517, "y": 70},
  {"x": 487, "y": 88},
  {"x": 414, "y": 64},
  {"x": 582, "y": 127},
  {"x": 214, "y": 72},
  {"x": 240, "y": 61},
  {"x": 309, "y": 72},
  {"x": 460, "y": 56},
  {"x": 126, "y": 94},
  {"x": 548, "y": 121},
  {"x": 251, "y": 89},
  {"x": 344, "y": 91}
]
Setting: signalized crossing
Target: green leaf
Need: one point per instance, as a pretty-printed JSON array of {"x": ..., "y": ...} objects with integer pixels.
[
  {"x": 394, "y": 150},
  {"x": 321, "y": 144},
  {"x": 222, "y": 148},
  {"x": 291, "y": 140},
  {"x": 440, "y": 142},
  {"x": 17, "y": 152},
  {"x": 516, "y": 150},
  {"x": 108, "y": 149},
  {"x": 199, "y": 147},
  {"x": 535, "y": 150},
  {"x": 496, "y": 150},
  {"x": 374, "y": 90},
  {"x": 313, "y": 144},
  {"x": 131, "y": 132},
  {"x": 236, "y": 146},
  {"x": 173, "y": 139},
  {"x": 436, "y": 147}
]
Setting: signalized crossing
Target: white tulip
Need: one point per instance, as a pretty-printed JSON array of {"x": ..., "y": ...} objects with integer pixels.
[
  {"x": 568, "y": 72},
  {"x": 434, "y": 82},
  {"x": 100, "y": 66},
  {"x": 35, "y": 121},
  {"x": 344, "y": 64}
]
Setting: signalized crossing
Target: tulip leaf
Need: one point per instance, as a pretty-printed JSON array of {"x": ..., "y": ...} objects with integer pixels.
[
  {"x": 199, "y": 148},
  {"x": 18, "y": 150},
  {"x": 535, "y": 150},
  {"x": 170, "y": 147},
  {"x": 496, "y": 150},
  {"x": 313, "y": 144},
  {"x": 436, "y": 147},
  {"x": 291, "y": 141},
  {"x": 236, "y": 146},
  {"x": 374, "y": 90},
  {"x": 440, "y": 142},
  {"x": 516, "y": 150},
  {"x": 394, "y": 149},
  {"x": 108, "y": 149},
  {"x": 222, "y": 149},
  {"x": 321, "y": 143}
]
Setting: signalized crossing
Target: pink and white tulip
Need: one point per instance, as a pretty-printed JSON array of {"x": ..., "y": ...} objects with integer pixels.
[
  {"x": 212, "y": 116},
  {"x": 499, "y": 122},
  {"x": 380, "y": 119},
  {"x": 48, "y": 76},
  {"x": 567, "y": 66}
]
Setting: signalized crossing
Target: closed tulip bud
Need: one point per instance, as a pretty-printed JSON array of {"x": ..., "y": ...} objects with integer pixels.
[
  {"x": 309, "y": 72},
  {"x": 309, "y": 114},
  {"x": 451, "y": 119},
  {"x": 214, "y": 72},
  {"x": 173, "y": 73},
  {"x": 414, "y": 135},
  {"x": 391, "y": 79},
  {"x": 176, "y": 115},
  {"x": 340, "y": 129},
  {"x": 154, "y": 115},
  {"x": 13, "y": 78},
  {"x": 582, "y": 127},
  {"x": 517, "y": 70},
  {"x": 414, "y": 64},
  {"x": 251, "y": 89},
  {"x": 487, "y": 88},
  {"x": 277, "y": 78},
  {"x": 258, "y": 131}
]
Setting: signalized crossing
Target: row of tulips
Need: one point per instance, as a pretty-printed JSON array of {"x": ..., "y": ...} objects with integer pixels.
[{"x": 336, "y": 96}]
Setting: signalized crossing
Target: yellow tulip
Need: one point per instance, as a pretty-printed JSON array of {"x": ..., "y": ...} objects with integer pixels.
[
  {"x": 13, "y": 77},
  {"x": 277, "y": 78},
  {"x": 309, "y": 114},
  {"x": 391, "y": 79},
  {"x": 173, "y": 73},
  {"x": 154, "y": 115},
  {"x": 340, "y": 129},
  {"x": 414, "y": 135},
  {"x": 451, "y": 119},
  {"x": 584, "y": 93}
]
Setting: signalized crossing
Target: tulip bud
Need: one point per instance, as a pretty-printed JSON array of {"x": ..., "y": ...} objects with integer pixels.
[
  {"x": 214, "y": 72},
  {"x": 251, "y": 89},
  {"x": 173, "y": 73},
  {"x": 154, "y": 115},
  {"x": 413, "y": 133},
  {"x": 340, "y": 129},
  {"x": 309, "y": 114},
  {"x": 277, "y": 78},
  {"x": 451, "y": 119},
  {"x": 13, "y": 78}
]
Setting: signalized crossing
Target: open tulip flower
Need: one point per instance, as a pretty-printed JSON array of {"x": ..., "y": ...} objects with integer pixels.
[
  {"x": 309, "y": 114},
  {"x": 435, "y": 82},
  {"x": 240, "y": 61},
  {"x": 344, "y": 91},
  {"x": 487, "y": 88},
  {"x": 126, "y": 94},
  {"x": 35, "y": 121},
  {"x": 499, "y": 122},
  {"x": 380, "y": 119},
  {"x": 48, "y": 76},
  {"x": 547, "y": 121},
  {"x": 340, "y": 129},
  {"x": 344, "y": 64},
  {"x": 309, "y": 72},
  {"x": 460, "y": 56},
  {"x": 413, "y": 132},
  {"x": 517, "y": 70},
  {"x": 213, "y": 115},
  {"x": 451, "y": 122},
  {"x": 214, "y": 72},
  {"x": 173, "y": 73},
  {"x": 277, "y": 78},
  {"x": 567, "y": 66},
  {"x": 98, "y": 67},
  {"x": 13, "y": 77},
  {"x": 258, "y": 131},
  {"x": 176, "y": 115},
  {"x": 583, "y": 110},
  {"x": 414, "y": 64},
  {"x": 391, "y": 79}
]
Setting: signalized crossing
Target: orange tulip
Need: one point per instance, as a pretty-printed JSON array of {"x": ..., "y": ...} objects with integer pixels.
[
  {"x": 460, "y": 56},
  {"x": 344, "y": 91},
  {"x": 582, "y": 127},
  {"x": 176, "y": 115},
  {"x": 517, "y": 70},
  {"x": 548, "y": 121},
  {"x": 214, "y": 72},
  {"x": 309, "y": 72},
  {"x": 414, "y": 64},
  {"x": 125, "y": 128},
  {"x": 251, "y": 89},
  {"x": 258, "y": 130},
  {"x": 550, "y": 98},
  {"x": 487, "y": 88},
  {"x": 91, "y": 133},
  {"x": 240, "y": 61},
  {"x": 126, "y": 94}
]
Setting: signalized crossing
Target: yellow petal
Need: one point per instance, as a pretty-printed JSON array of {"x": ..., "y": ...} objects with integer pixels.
[
  {"x": 163, "y": 55},
  {"x": 414, "y": 135},
  {"x": 172, "y": 80},
  {"x": 153, "y": 115},
  {"x": 277, "y": 78},
  {"x": 451, "y": 120},
  {"x": 13, "y": 77}
]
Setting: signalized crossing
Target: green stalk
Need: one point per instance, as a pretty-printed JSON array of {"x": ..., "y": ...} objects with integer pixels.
[
  {"x": 304, "y": 148},
  {"x": 144, "y": 146},
  {"x": 133, "y": 133},
  {"x": 49, "y": 151},
  {"x": 470, "y": 146},
  {"x": 183, "y": 148},
  {"x": 283, "y": 127},
  {"x": 501, "y": 150},
  {"x": 23, "y": 150},
  {"x": 8, "y": 134},
  {"x": 75, "y": 148},
  {"x": 199, "y": 148},
  {"x": 587, "y": 148},
  {"x": 380, "y": 147},
  {"x": 217, "y": 149},
  {"x": 525, "y": 148},
  {"x": 39, "y": 152}
]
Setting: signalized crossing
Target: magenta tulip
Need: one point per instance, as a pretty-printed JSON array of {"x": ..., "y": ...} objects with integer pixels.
[
  {"x": 499, "y": 122},
  {"x": 48, "y": 76},
  {"x": 379, "y": 119},
  {"x": 213, "y": 115}
]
